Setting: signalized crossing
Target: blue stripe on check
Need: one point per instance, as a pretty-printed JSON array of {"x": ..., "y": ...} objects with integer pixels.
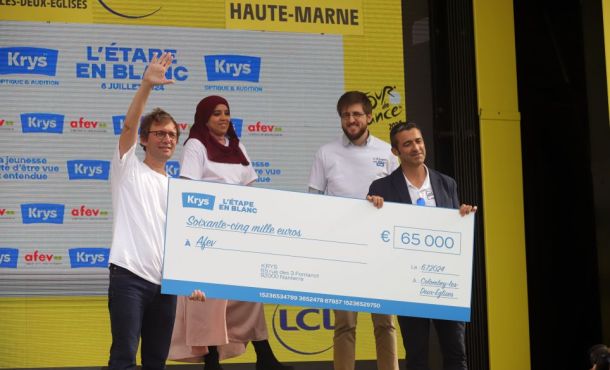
[{"x": 180, "y": 287}]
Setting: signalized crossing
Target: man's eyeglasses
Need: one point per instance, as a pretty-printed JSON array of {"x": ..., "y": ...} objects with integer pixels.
[
  {"x": 160, "y": 134},
  {"x": 356, "y": 115}
]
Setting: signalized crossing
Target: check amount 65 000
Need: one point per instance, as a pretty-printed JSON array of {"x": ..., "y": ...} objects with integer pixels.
[{"x": 437, "y": 241}]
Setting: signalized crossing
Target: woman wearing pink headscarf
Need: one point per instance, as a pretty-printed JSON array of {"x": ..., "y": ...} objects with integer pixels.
[{"x": 218, "y": 329}]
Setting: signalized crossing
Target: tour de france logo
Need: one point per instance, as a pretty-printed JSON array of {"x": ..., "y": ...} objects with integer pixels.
[
  {"x": 305, "y": 331},
  {"x": 135, "y": 11}
]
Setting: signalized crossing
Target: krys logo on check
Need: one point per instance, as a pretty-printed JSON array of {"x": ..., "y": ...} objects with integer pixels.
[
  {"x": 206, "y": 201},
  {"x": 311, "y": 250},
  {"x": 198, "y": 200}
]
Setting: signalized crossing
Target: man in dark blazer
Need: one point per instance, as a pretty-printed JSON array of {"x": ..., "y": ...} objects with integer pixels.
[{"x": 414, "y": 183}]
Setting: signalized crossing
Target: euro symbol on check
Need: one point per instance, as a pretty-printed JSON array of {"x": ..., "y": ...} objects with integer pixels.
[{"x": 385, "y": 236}]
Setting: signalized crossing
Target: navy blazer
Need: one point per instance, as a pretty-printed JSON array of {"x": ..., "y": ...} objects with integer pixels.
[{"x": 393, "y": 188}]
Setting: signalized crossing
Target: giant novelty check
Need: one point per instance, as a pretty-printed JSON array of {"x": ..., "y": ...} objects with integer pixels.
[{"x": 272, "y": 246}]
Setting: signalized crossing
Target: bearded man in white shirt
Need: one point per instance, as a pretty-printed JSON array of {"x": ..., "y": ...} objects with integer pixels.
[{"x": 346, "y": 167}]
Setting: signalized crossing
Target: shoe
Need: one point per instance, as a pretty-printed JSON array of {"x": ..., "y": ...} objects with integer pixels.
[
  {"x": 211, "y": 359},
  {"x": 212, "y": 366},
  {"x": 265, "y": 359}
]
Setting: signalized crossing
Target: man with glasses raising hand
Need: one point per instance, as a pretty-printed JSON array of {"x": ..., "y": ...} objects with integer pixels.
[
  {"x": 346, "y": 167},
  {"x": 139, "y": 197}
]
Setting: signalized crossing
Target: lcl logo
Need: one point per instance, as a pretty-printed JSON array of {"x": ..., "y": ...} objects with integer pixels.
[{"x": 306, "y": 331}]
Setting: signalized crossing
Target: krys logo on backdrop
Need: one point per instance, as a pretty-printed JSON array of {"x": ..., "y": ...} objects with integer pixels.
[
  {"x": 117, "y": 123},
  {"x": 172, "y": 168},
  {"x": 50, "y": 123},
  {"x": 238, "y": 123},
  {"x": 26, "y": 60},
  {"x": 42, "y": 213},
  {"x": 232, "y": 70},
  {"x": 87, "y": 169},
  {"x": 306, "y": 331},
  {"x": 89, "y": 257},
  {"x": 9, "y": 257}
]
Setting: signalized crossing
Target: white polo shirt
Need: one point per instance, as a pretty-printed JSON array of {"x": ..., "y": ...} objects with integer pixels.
[{"x": 341, "y": 168}]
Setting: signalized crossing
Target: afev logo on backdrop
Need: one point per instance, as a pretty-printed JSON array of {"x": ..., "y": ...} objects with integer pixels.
[
  {"x": 6, "y": 124},
  {"x": 83, "y": 212},
  {"x": 84, "y": 124},
  {"x": 39, "y": 257},
  {"x": 6, "y": 214}
]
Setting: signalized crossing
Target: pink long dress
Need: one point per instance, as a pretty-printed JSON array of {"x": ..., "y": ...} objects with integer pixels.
[{"x": 229, "y": 325}]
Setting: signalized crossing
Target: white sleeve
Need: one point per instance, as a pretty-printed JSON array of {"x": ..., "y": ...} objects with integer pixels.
[
  {"x": 317, "y": 175},
  {"x": 249, "y": 175},
  {"x": 119, "y": 166},
  {"x": 192, "y": 162}
]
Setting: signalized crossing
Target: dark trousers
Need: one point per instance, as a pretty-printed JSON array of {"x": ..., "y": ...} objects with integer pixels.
[
  {"x": 138, "y": 309},
  {"x": 415, "y": 336}
]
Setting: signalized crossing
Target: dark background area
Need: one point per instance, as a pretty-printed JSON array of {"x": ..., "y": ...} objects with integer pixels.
[
  {"x": 565, "y": 140},
  {"x": 565, "y": 137}
]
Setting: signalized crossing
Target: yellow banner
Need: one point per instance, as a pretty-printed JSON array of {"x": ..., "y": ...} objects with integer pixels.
[
  {"x": 343, "y": 17},
  {"x": 373, "y": 63},
  {"x": 46, "y": 10}
]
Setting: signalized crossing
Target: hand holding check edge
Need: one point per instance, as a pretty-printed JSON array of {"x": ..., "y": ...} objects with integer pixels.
[{"x": 197, "y": 295}]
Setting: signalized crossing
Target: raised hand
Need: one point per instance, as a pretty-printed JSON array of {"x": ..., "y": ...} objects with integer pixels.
[
  {"x": 154, "y": 75},
  {"x": 155, "y": 72}
]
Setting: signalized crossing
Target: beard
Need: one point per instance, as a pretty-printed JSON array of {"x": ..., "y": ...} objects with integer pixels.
[{"x": 355, "y": 136}]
